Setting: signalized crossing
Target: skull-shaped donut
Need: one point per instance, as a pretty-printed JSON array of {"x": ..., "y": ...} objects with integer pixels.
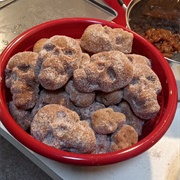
[
  {"x": 58, "y": 126},
  {"x": 20, "y": 78},
  {"x": 107, "y": 71},
  {"x": 142, "y": 91},
  {"x": 97, "y": 38},
  {"x": 58, "y": 58}
]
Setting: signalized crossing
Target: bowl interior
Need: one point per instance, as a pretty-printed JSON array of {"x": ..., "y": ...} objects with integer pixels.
[{"x": 153, "y": 130}]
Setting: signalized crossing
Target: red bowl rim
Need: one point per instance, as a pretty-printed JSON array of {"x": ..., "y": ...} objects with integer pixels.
[{"x": 86, "y": 159}]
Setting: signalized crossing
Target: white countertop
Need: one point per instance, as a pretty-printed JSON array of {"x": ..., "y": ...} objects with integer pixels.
[{"x": 162, "y": 161}]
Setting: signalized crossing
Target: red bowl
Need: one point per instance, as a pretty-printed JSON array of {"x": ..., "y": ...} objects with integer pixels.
[{"x": 74, "y": 27}]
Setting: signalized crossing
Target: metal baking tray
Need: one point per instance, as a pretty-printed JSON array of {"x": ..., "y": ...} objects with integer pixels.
[{"x": 16, "y": 17}]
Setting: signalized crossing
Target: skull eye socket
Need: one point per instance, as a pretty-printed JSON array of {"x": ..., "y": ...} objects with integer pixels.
[
  {"x": 135, "y": 81},
  {"x": 24, "y": 67},
  {"x": 48, "y": 47}
]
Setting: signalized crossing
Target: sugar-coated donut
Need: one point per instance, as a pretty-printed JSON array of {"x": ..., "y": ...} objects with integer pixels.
[
  {"x": 97, "y": 38},
  {"x": 20, "y": 78},
  {"x": 107, "y": 71},
  {"x": 142, "y": 91},
  {"x": 126, "y": 136},
  {"x": 58, "y": 58},
  {"x": 57, "y": 126},
  {"x": 106, "y": 121}
]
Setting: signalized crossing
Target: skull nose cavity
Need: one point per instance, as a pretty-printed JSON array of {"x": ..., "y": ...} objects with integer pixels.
[
  {"x": 111, "y": 73},
  {"x": 68, "y": 52},
  {"x": 24, "y": 67}
]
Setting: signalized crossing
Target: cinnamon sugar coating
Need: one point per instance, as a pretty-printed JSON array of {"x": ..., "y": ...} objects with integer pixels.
[
  {"x": 102, "y": 143},
  {"x": 20, "y": 78},
  {"x": 52, "y": 97},
  {"x": 136, "y": 58},
  {"x": 59, "y": 56},
  {"x": 107, "y": 71},
  {"x": 83, "y": 96},
  {"x": 22, "y": 117},
  {"x": 131, "y": 119},
  {"x": 57, "y": 126},
  {"x": 97, "y": 38},
  {"x": 142, "y": 91},
  {"x": 106, "y": 121},
  {"x": 85, "y": 59},
  {"x": 86, "y": 112},
  {"x": 126, "y": 136},
  {"x": 110, "y": 98},
  {"x": 79, "y": 98}
]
